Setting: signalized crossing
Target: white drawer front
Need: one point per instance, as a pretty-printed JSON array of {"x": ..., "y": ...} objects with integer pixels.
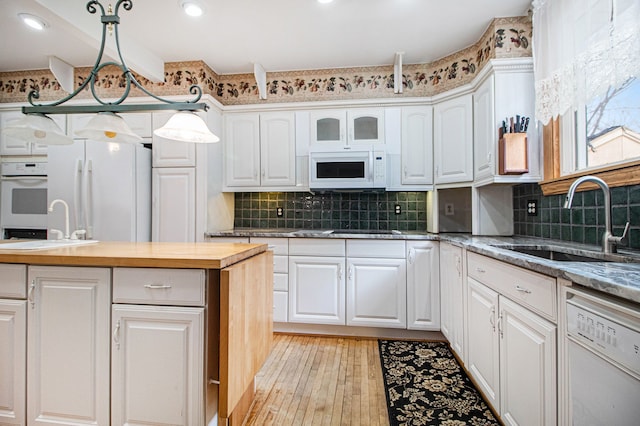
[
  {"x": 281, "y": 282},
  {"x": 316, "y": 247},
  {"x": 281, "y": 264},
  {"x": 155, "y": 286},
  {"x": 280, "y": 306},
  {"x": 531, "y": 289},
  {"x": 376, "y": 248},
  {"x": 13, "y": 281},
  {"x": 280, "y": 246}
]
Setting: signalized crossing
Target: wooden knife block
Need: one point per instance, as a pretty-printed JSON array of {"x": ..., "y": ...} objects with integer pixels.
[{"x": 512, "y": 154}]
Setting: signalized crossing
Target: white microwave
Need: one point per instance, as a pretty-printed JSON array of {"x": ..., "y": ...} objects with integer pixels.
[{"x": 347, "y": 170}]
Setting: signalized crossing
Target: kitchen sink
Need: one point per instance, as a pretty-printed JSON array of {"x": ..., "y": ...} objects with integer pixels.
[
  {"x": 44, "y": 244},
  {"x": 572, "y": 255}
]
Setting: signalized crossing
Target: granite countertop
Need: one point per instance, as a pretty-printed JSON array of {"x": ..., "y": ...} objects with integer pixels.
[{"x": 620, "y": 277}]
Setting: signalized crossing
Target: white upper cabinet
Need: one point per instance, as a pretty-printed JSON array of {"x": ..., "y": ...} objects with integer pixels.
[
  {"x": 168, "y": 153},
  {"x": 242, "y": 150},
  {"x": 453, "y": 140},
  {"x": 277, "y": 149},
  {"x": 507, "y": 91},
  {"x": 260, "y": 151},
  {"x": 337, "y": 128},
  {"x": 417, "y": 145},
  {"x": 12, "y": 146},
  {"x": 483, "y": 133}
]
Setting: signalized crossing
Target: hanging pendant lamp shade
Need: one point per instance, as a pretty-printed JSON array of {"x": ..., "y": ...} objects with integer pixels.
[
  {"x": 37, "y": 128},
  {"x": 108, "y": 127},
  {"x": 186, "y": 126}
]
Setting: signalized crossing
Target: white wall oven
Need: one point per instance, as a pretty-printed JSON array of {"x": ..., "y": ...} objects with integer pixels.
[{"x": 23, "y": 196}]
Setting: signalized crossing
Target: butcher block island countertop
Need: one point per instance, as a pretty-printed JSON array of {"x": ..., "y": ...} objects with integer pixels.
[
  {"x": 137, "y": 255},
  {"x": 237, "y": 329}
]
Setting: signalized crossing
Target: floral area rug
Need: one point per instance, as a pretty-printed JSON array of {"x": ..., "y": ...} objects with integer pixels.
[{"x": 425, "y": 385}]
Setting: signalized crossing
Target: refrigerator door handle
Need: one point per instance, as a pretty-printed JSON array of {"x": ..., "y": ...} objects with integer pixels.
[
  {"x": 77, "y": 194},
  {"x": 88, "y": 199}
]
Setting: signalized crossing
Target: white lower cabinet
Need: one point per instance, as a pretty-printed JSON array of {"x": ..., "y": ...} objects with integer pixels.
[
  {"x": 13, "y": 344},
  {"x": 452, "y": 296},
  {"x": 317, "y": 289},
  {"x": 376, "y": 283},
  {"x": 157, "y": 359},
  {"x": 157, "y": 348},
  {"x": 68, "y": 345},
  {"x": 423, "y": 291},
  {"x": 280, "y": 248},
  {"x": 13, "y": 361},
  {"x": 511, "y": 350},
  {"x": 316, "y": 281}
]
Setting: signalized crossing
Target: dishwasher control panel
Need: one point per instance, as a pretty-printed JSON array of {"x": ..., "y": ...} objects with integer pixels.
[{"x": 604, "y": 331}]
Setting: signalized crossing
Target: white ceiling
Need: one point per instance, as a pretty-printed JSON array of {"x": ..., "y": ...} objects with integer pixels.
[{"x": 281, "y": 35}]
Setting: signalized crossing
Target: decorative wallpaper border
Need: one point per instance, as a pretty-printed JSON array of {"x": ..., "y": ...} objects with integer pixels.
[{"x": 504, "y": 38}]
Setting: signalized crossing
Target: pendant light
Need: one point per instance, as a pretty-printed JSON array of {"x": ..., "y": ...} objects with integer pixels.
[
  {"x": 186, "y": 126},
  {"x": 37, "y": 128},
  {"x": 107, "y": 125}
]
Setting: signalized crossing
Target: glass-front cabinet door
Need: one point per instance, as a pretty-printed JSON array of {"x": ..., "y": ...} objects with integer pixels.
[
  {"x": 328, "y": 127},
  {"x": 366, "y": 125},
  {"x": 344, "y": 127}
]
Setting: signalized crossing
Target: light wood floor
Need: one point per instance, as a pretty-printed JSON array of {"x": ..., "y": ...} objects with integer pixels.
[{"x": 320, "y": 381}]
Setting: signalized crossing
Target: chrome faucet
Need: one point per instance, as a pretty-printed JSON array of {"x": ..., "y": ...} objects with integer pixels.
[
  {"x": 609, "y": 241},
  {"x": 66, "y": 215}
]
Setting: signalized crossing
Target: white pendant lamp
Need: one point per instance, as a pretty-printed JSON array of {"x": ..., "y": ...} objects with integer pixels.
[
  {"x": 186, "y": 126},
  {"x": 108, "y": 127},
  {"x": 37, "y": 128}
]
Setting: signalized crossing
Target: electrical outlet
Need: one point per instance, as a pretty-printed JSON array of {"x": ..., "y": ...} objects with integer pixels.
[
  {"x": 532, "y": 208},
  {"x": 397, "y": 208},
  {"x": 448, "y": 209},
  {"x": 279, "y": 212}
]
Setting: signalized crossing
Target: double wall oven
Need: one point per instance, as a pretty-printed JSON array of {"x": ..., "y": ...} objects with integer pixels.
[{"x": 23, "y": 192}]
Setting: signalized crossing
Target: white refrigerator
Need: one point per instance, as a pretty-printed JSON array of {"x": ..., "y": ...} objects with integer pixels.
[{"x": 107, "y": 187}]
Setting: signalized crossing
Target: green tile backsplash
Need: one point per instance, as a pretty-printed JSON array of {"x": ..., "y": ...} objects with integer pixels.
[
  {"x": 331, "y": 210},
  {"x": 584, "y": 222}
]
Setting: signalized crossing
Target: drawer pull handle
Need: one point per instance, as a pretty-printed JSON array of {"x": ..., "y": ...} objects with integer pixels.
[
  {"x": 157, "y": 286},
  {"x": 482, "y": 271},
  {"x": 522, "y": 289}
]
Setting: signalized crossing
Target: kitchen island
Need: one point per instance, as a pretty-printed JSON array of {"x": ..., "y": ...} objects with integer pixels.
[{"x": 135, "y": 333}]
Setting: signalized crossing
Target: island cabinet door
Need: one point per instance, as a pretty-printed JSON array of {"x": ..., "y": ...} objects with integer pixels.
[
  {"x": 13, "y": 343},
  {"x": 157, "y": 361},
  {"x": 68, "y": 310}
]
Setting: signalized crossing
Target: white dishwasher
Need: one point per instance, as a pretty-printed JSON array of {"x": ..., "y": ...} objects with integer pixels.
[{"x": 603, "y": 338}]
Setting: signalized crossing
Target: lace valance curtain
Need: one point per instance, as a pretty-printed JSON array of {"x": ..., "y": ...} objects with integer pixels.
[{"x": 580, "y": 49}]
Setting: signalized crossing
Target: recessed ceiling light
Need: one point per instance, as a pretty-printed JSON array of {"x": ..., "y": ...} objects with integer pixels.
[
  {"x": 192, "y": 8},
  {"x": 33, "y": 21}
]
